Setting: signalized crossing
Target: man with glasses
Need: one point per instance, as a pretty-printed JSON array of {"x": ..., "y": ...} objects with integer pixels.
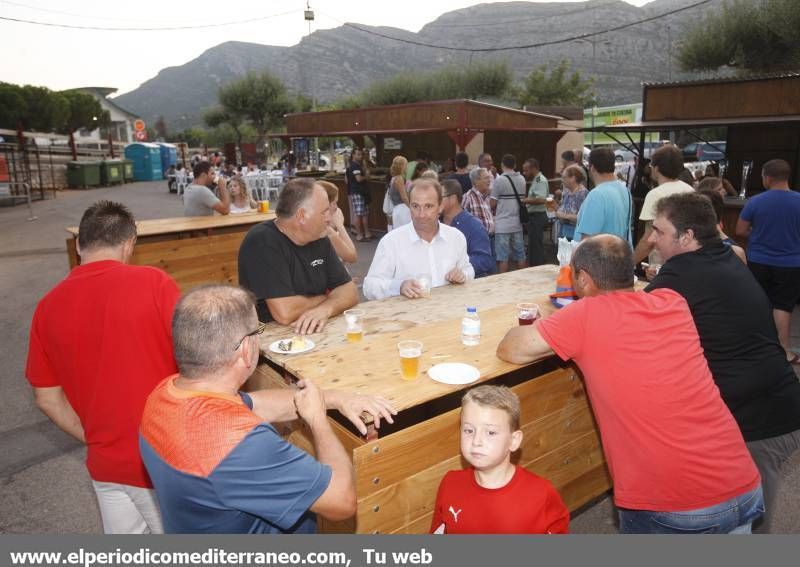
[
  {"x": 217, "y": 464},
  {"x": 425, "y": 247},
  {"x": 478, "y": 248},
  {"x": 100, "y": 341}
]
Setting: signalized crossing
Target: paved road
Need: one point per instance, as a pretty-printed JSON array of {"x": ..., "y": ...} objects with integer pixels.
[{"x": 44, "y": 487}]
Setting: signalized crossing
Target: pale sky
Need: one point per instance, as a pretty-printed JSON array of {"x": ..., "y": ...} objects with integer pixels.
[{"x": 60, "y": 58}]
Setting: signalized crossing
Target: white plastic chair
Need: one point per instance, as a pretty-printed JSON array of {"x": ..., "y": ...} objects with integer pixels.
[{"x": 181, "y": 181}]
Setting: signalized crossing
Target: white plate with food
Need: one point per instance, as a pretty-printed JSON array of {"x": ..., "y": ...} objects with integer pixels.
[
  {"x": 295, "y": 345},
  {"x": 454, "y": 373}
]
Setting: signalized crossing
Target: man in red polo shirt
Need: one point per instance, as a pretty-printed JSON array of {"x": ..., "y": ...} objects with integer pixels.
[
  {"x": 100, "y": 342},
  {"x": 674, "y": 451}
]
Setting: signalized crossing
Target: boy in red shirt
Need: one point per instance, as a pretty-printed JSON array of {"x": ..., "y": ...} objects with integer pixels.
[{"x": 486, "y": 497}]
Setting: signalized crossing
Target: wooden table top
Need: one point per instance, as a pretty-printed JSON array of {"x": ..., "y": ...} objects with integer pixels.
[
  {"x": 184, "y": 224},
  {"x": 395, "y": 314},
  {"x": 372, "y": 365}
]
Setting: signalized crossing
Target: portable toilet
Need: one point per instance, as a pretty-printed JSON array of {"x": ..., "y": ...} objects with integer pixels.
[
  {"x": 146, "y": 159},
  {"x": 169, "y": 156}
]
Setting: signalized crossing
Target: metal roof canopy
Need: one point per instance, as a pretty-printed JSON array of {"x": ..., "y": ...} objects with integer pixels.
[
  {"x": 420, "y": 118},
  {"x": 686, "y": 125},
  {"x": 415, "y": 131}
]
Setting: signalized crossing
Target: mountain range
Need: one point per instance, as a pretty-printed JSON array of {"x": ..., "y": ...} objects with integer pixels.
[{"x": 330, "y": 64}]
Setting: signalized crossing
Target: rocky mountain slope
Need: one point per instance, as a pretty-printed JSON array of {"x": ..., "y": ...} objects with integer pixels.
[{"x": 330, "y": 64}]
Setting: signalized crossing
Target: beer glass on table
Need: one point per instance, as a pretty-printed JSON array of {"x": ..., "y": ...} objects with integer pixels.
[
  {"x": 353, "y": 318},
  {"x": 410, "y": 353}
]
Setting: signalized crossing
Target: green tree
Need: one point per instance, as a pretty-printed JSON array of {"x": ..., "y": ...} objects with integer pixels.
[
  {"x": 748, "y": 36},
  {"x": 546, "y": 86},
  {"x": 45, "y": 110},
  {"x": 192, "y": 137},
  {"x": 261, "y": 99},
  {"x": 218, "y": 116},
  {"x": 302, "y": 103},
  {"x": 481, "y": 80},
  {"x": 12, "y": 105},
  {"x": 84, "y": 111}
]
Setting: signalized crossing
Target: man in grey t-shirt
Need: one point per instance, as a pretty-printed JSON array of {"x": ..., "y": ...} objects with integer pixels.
[
  {"x": 509, "y": 243},
  {"x": 199, "y": 200}
]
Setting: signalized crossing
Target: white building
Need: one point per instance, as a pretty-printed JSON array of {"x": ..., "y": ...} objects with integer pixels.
[{"x": 121, "y": 120}]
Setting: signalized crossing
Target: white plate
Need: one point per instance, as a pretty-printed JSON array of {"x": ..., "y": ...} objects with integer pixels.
[
  {"x": 454, "y": 373},
  {"x": 274, "y": 347}
]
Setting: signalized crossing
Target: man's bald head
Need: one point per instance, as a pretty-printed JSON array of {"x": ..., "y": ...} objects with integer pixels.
[{"x": 607, "y": 259}]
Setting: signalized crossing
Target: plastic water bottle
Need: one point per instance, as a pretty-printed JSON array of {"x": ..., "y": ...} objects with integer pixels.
[{"x": 471, "y": 327}]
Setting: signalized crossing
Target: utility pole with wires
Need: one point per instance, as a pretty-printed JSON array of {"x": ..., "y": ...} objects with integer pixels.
[{"x": 313, "y": 158}]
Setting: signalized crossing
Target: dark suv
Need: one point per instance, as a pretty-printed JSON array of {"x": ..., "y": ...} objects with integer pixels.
[{"x": 704, "y": 151}]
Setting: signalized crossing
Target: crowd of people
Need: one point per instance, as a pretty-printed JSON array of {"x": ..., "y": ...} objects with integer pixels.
[
  {"x": 506, "y": 203},
  {"x": 698, "y": 408},
  {"x": 216, "y": 186}
]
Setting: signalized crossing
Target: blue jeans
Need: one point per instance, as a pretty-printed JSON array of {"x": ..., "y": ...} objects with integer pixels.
[{"x": 730, "y": 517}]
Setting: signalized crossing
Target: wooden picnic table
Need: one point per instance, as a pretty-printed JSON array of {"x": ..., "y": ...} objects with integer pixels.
[
  {"x": 193, "y": 250},
  {"x": 398, "y": 467}
]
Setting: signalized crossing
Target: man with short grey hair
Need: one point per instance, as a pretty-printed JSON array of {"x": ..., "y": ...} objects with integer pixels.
[
  {"x": 216, "y": 462},
  {"x": 676, "y": 455},
  {"x": 290, "y": 265},
  {"x": 476, "y": 200}
]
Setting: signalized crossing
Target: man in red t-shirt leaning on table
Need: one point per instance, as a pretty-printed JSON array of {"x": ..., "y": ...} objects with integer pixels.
[{"x": 675, "y": 453}]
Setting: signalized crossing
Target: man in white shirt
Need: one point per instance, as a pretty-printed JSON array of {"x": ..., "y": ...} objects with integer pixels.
[
  {"x": 667, "y": 165},
  {"x": 424, "y": 247}
]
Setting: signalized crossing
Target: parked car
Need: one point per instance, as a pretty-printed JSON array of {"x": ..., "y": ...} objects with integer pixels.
[
  {"x": 704, "y": 151},
  {"x": 623, "y": 154}
]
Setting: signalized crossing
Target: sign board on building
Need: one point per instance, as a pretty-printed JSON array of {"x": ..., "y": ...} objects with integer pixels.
[
  {"x": 392, "y": 144},
  {"x": 138, "y": 125},
  {"x": 612, "y": 116}
]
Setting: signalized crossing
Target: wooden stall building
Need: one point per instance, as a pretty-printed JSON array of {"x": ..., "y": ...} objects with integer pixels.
[
  {"x": 440, "y": 128},
  {"x": 760, "y": 115}
]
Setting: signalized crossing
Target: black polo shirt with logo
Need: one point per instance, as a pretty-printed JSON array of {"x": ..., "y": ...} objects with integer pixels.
[{"x": 272, "y": 266}]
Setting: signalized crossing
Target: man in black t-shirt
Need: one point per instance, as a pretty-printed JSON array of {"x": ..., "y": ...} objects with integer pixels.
[
  {"x": 290, "y": 265},
  {"x": 734, "y": 320},
  {"x": 358, "y": 192},
  {"x": 461, "y": 174}
]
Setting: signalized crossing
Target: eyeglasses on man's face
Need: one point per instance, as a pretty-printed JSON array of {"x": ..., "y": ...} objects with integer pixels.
[{"x": 258, "y": 331}]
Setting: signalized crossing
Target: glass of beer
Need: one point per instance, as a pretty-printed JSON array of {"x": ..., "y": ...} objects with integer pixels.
[
  {"x": 409, "y": 351},
  {"x": 527, "y": 313},
  {"x": 263, "y": 206},
  {"x": 353, "y": 318}
]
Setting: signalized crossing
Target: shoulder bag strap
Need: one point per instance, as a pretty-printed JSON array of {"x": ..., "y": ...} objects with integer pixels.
[{"x": 519, "y": 201}]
